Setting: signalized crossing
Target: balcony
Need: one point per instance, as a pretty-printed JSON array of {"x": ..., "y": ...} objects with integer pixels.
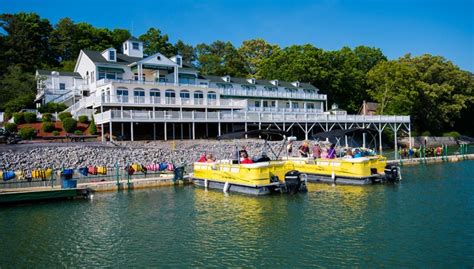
[
  {"x": 279, "y": 109},
  {"x": 275, "y": 94},
  {"x": 238, "y": 116},
  {"x": 106, "y": 81}
]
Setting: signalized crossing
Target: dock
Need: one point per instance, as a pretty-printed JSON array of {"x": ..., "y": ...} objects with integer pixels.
[
  {"x": 440, "y": 159},
  {"x": 12, "y": 196}
]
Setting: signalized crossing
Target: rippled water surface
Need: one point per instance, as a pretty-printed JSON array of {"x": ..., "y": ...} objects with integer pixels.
[{"x": 426, "y": 221}]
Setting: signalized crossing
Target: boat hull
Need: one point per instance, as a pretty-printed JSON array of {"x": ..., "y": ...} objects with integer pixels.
[{"x": 238, "y": 188}]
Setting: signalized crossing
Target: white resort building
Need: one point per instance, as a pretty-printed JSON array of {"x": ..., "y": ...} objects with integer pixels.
[{"x": 133, "y": 96}]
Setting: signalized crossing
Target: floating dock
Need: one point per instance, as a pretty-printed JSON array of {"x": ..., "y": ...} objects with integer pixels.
[
  {"x": 12, "y": 196},
  {"x": 440, "y": 159}
]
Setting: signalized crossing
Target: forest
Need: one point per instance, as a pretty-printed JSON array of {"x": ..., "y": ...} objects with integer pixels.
[{"x": 433, "y": 90}]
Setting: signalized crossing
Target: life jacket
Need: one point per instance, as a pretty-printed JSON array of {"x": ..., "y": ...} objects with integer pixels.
[
  {"x": 163, "y": 166},
  {"x": 68, "y": 173},
  {"x": 83, "y": 171},
  {"x": 8, "y": 175},
  {"x": 130, "y": 170},
  {"x": 170, "y": 167},
  {"x": 102, "y": 170},
  {"x": 92, "y": 170}
]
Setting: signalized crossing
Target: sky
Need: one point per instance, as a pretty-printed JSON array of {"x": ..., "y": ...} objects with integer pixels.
[{"x": 437, "y": 27}]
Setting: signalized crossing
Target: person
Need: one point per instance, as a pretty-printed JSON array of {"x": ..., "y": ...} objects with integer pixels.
[
  {"x": 245, "y": 158},
  {"x": 242, "y": 153},
  {"x": 357, "y": 154},
  {"x": 348, "y": 154},
  {"x": 289, "y": 148},
  {"x": 332, "y": 152},
  {"x": 202, "y": 159},
  {"x": 317, "y": 151},
  {"x": 411, "y": 152},
  {"x": 304, "y": 149},
  {"x": 438, "y": 151},
  {"x": 324, "y": 154},
  {"x": 210, "y": 158}
]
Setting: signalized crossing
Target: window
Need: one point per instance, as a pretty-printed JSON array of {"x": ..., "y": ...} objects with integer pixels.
[
  {"x": 273, "y": 104},
  {"x": 62, "y": 86},
  {"x": 139, "y": 96},
  {"x": 170, "y": 96},
  {"x": 135, "y": 46},
  {"x": 122, "y": 95},
  {"x": 178, "y": 61},
  {"x": 135, "y": 76},
  {"x": 265, "y": 103},
  {"x": 125, "y": 46},
  {"x": 139, "y": 93},
  {"x": 184, "y": 94},
  {"x": 257, "y": 103},
  {"x": 249, "y": 87},
  {"x": 111, "y": 55},
  {"x": 295, "y": 105},
  {"x": 110, "y": 75},
  {"x": 92, "y": 76},
  {"x": 310, "y": 105},
  {"x": 155, "y": 96},
  {"x": 224, "y": 86},
  {"x": 101, "y": 74},
  {"x": 211, "y": 96},
  {"x": 198, "y": 97}
]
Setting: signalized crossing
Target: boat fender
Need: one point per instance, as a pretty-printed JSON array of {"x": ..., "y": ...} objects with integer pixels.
[
  {"x": 206, "y": 183},
  {"x": 333, "y": 176},
  {"x": 226, "y": 186}
]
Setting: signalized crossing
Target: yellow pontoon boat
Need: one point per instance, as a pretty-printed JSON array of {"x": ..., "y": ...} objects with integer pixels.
[{"x": 263, "y": 176}]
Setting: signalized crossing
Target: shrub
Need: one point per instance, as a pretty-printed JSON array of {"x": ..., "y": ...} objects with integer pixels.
[
  {"x": 426, "y": 133},
  {"x": 52, "y": 108},
  {"x": 47, "y": 127},
  {"x": 69, "y": 124},
  {"x": 7, "y": 116},
  {"x": 83, "y": 119},
  {"x": 47, "y": 117},
  {"x": 78, "y": 132},
  {"x": 27, "y": 133},
  {"x": 64, "y": 115},
  {"x": 92, "y": 128},
  {"x": 29, "y": 117},
  {"x": 11, "y": 127},
  {"x": 18, "y": 118},
  {"x": 55, "y": 133},
  {"x": 453, "y": 134}
]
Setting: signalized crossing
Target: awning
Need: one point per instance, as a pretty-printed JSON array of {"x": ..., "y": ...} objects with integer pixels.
[
  {"x": 266, "y": 134},
  {"x": 111, "y": 69},
  {"x": 341, "y": 132},
  {"x": 187, "y": 76}
]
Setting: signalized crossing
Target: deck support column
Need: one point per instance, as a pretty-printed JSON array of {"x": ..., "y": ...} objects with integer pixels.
[
  {"x": 131, "y": 131},
  {"x": 380, "y": 138},
  {"x": 395, "y": 138},
  {"x": 121, "y": 130},
  {"x": 154, "y": 131},
  {"x": 207, "y": 130},
  {"x": 218, "y": 128},
  {"x": 166, "y": 131},
  {"x": 194, "y": 131},
  {"x": 110, "y": 131},
  {"x": 305, "y": 131},
  {"x": 345, "y": 138},
  {"x": 182, "y": 131},
  {"x": 409, "y": 135},
  {"x": 246, "y": 128},
  {"x": 363, "y": 139},
  {"x": 174, "y": 133}
]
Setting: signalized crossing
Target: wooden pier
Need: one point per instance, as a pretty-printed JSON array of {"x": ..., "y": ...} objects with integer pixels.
[{"x": 20, "y": 195}]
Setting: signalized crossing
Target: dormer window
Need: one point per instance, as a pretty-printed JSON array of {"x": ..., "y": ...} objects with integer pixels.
[
  {"x": 125, "y": 46},
  {"x": 111, "y": 55},
  {"x": 135, "y": 45},
  {"x": 158, "y": 58},
  {"x": 178, "y": 61},
  {"x": 251, "y": 80},
  {"x": 296, "y": 84},
  {"x": 274, "y": 82},
  {"x": 226, "y": 78}
]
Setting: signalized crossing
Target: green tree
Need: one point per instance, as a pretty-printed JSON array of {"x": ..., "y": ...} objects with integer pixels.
[
  {"x": 17, "y": 89},
  {"x": 26, "y": 42},
  {"x": 154, "y": 41},
  {"x": 220, "y": 58},
  {"x": 186, "y": 51},
  {"x": 254, "y": 51},
  {"x": 92, "y": 127}
]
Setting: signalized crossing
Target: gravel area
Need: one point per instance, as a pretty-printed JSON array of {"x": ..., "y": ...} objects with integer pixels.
[{"x": 75, "y": 155}]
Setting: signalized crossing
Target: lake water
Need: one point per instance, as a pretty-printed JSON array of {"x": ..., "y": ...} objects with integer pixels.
[{"x": 425, "y": 221}]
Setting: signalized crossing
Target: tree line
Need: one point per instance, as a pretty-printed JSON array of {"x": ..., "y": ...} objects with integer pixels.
[{"x": 434, "y": 91}]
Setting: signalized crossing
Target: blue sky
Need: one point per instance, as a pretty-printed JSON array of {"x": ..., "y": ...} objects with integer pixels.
[{"x": 397, "y": 27}]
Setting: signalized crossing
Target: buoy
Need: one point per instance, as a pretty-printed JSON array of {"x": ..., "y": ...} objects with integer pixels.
[
  {"x": 226, "y": 186},
  {"x": 205, "y": 183}
]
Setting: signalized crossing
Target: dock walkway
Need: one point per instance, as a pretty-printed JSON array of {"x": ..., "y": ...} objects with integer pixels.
[{"x": 441, "y": 159}]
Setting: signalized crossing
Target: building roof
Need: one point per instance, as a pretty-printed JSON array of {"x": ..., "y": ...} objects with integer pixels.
[
  {"x": 259, "y": 82},
  {"x": 61, "y": 73},
  {"x": 122, "y": 59},
  {"x": 132, "y": 38}
]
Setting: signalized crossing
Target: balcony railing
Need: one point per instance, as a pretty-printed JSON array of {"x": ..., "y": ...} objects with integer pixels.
[
  {"x": 276, "y": 94},
  {"x": 239, "y": 116},
  {"x": 105, "y": 81}
]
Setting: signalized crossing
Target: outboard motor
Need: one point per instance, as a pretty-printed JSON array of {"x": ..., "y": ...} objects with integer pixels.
[
  {"x": 293, "y": 182},
  {"x": 391, "y": 173}
]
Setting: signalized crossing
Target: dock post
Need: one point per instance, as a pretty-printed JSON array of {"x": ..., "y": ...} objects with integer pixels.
[
  {"x": 117, "y": 178},
  {"x": 396, "y": 145}
]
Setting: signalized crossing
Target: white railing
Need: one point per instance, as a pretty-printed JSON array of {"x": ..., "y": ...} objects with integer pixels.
[
  {"x": 105, "y": 81},
  {"x": 269, "y": 93},
  {"x": 279, "y": 109},
  {"x": 241, "y": 116}
]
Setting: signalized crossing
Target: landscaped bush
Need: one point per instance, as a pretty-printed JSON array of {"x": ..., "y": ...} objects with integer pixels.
[
  {"x": 78, "y": 132},
  {"x": 63, "y": 115},
  {"x": 52, "y": 108},
  {"x": 453, "y": 134},
  {"x": 83, "y": 119},
  {"x": 92, "y": 128},
  {"x": 47, "y": 127},
  {"x": 29, "y": 117},
  {"x": 7, "y": 116},
  {"x": 27, "y": 133},
  {"x": 69, "y": 125},
  {"x": 18, "y": 118},
  {"x": 426, "y": 133},
  {"x": 11, "y": 127},
  {"x": 47, "y": 117},
  {"x": 56, "y": 133}
]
